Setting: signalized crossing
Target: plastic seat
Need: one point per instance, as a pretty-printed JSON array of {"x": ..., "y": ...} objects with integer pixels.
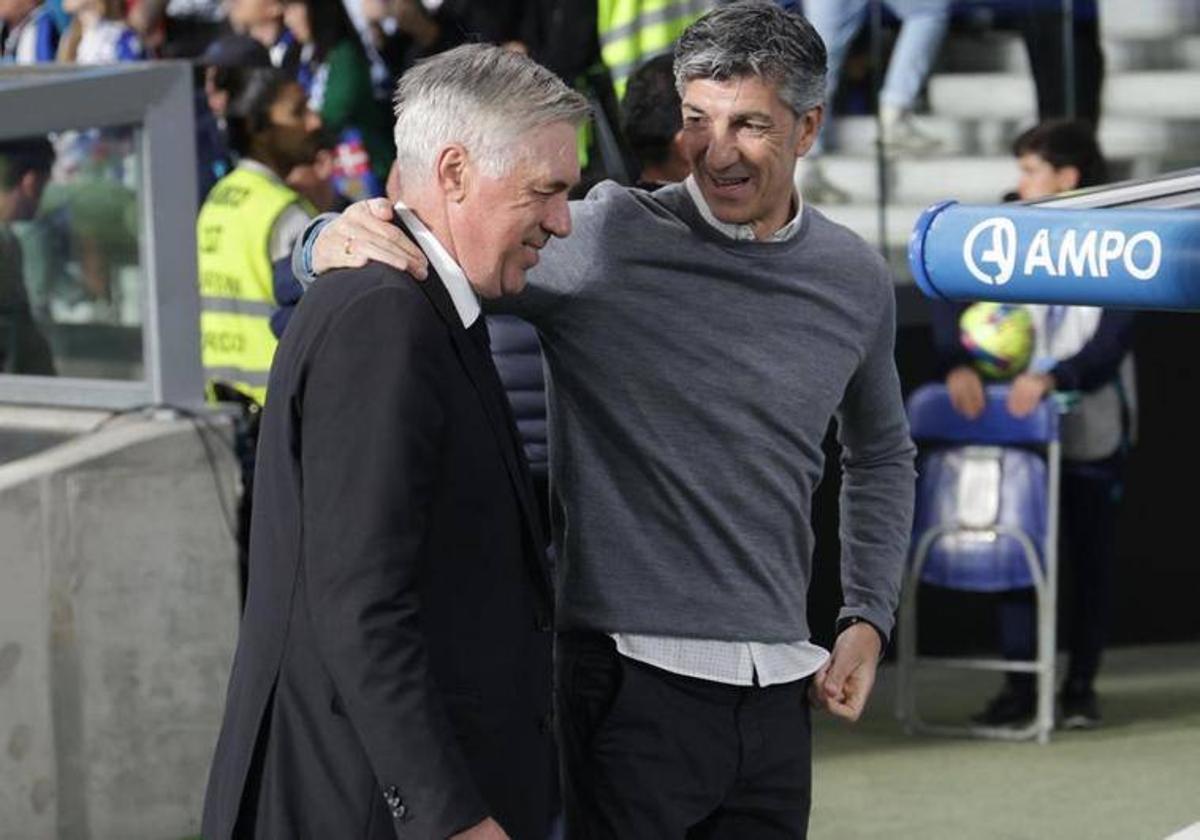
[{"x": 985, "y": 521}]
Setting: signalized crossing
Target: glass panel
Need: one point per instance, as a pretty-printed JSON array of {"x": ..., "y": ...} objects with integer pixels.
[{"x": 70, "y": 269}]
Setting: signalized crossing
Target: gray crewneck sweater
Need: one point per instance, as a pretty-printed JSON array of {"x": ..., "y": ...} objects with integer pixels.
[{"x": 691, "y": 380}]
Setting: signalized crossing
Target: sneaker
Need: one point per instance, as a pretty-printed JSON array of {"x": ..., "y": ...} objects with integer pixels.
[
  {"x": 901, "y": 136},
  {"x": 1010, "y": 707},
  {"x": 1080, "y": 711},
  {"x": 816, "y": 188}
]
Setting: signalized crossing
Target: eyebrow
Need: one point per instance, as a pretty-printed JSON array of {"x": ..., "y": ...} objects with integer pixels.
[{"x": 740, "y": 115}]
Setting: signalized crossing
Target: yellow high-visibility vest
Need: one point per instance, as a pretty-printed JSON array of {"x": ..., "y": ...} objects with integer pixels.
[
  {"x": 233, "y": 235},
  {"x": 634, "y": 31}
]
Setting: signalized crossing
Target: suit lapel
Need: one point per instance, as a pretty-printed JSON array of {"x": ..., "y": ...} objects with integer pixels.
[{"x": 482, "y": 373}]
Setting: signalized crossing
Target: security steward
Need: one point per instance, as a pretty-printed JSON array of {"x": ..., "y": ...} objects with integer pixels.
[
  {"x": 248, "y": 223},
  {"x": 632, "y": 32}
]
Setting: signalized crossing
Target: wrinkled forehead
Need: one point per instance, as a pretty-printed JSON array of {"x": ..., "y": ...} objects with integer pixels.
[{"x": 749, "y": 92}]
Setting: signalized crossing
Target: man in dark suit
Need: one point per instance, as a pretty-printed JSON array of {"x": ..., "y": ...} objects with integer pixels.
[{"x": 392, "y": 676}]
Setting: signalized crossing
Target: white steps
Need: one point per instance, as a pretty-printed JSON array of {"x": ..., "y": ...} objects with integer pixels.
[
  {"x": 1156, "y": 94},
  {"x": 967, "y": 179},
  {"x": 1120, "y": 137},
  {"x": 982, "y": 94}
]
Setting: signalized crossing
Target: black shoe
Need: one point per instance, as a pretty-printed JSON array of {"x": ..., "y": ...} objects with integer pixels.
[
  {"x": 1010, "y": 707},
  {"x": 1080, "y": 711}
]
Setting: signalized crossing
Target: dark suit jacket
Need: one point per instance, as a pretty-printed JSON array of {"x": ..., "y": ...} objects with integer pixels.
[{"x": 392, "y": 676}]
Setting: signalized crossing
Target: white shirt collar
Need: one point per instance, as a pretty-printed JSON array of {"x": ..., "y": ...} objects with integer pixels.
[
  {"x": 466, "y": 302},
  {"x": 737, "y": 231}
]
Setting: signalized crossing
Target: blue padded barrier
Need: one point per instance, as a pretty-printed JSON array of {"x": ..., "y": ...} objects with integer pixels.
[{"x": 1125, "y": 258}]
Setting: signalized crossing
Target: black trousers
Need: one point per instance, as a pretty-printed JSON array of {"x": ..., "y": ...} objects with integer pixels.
[
  {"x": 1043, "y": 28},
  {"x": 651, "y": 754},
  {"x": 1089, "y": 501}
]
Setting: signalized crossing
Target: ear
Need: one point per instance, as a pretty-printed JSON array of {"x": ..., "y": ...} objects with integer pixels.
[
  {"x": 808, "y": 126},
  {"x": 452, "y": 169},
  {"x": 1067, "y": 178}
]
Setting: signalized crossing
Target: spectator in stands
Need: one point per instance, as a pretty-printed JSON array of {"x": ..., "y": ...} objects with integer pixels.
[
  {"x": 401, "y": 31},
  {"x": 315, "y": 181},
  {"x": 923, "y": 26},
  {"x": 24, "y": 170},
  {"x": 336, "y": 74},
  {"x": 223, "y": 67},
  {"x": 225, "y": 62},
  {"x": 560, "y": 35},
  {"x": 1084, "y": 354},
  {"x": 262, "y": 20},
  {"x": 179, "y": 28},
  {"x": 653, "y": 124},
  {"x": 28, "y": 34},
  {"x": 248, "y": 224},
  {"x": 98, "y": 34},
  {"x": 404, "y": 31}
]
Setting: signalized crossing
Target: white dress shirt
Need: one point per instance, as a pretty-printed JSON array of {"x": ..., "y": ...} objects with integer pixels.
[{"x": 466, "y": 302}]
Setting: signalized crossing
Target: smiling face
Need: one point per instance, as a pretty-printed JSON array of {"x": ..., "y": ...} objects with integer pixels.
[
  {"x": 742, "y": 142},
  {"x": 498, "y": 225}
]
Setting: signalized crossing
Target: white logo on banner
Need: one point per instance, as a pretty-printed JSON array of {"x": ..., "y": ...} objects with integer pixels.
[
  {"x": 1090, "y": 253},
  {"x": 1002, "y": 254}
]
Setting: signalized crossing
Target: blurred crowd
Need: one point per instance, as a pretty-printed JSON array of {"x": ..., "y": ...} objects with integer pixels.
[{"x": 347, "y": 54}]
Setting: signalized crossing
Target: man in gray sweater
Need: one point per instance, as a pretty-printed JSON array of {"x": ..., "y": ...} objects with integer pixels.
[{"x": 698, "y": 340}]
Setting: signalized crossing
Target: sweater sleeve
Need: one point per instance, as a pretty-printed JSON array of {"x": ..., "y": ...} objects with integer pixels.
[{"x": 878, "y": 481}]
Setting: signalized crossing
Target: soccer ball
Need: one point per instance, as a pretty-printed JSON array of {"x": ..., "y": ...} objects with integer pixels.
[{"x": 999, "y": 337}]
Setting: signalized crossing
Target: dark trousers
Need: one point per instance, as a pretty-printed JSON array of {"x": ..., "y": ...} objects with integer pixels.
[
  {"x": 1089, "y": 502},
  {"x": 651, "y": 754},
  {"x": 1043, "y": 30}
]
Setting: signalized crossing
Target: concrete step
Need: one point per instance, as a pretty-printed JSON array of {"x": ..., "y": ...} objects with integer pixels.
[
  {"x": 982, "y": 96},
  {"x": 988, "y": 52},
  {"x": 999, "y": 52},
  {"x": 1148, "y": 18},
  {"x": 1121, "y": 137},
  {"x": 1132, "y": 54},
  {"x": 1151, "y": 94},
  {"x": 967, "y": 179},
  {"x": 959, "y": 136}
]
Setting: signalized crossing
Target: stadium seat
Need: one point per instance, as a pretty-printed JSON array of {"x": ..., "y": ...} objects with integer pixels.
[{"x": 985, "y": 521}]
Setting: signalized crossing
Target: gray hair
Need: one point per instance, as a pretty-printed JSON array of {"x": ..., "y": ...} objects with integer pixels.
[
  {"x": 755, "y": 38},
  {"x": 483, "y": 97}
]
